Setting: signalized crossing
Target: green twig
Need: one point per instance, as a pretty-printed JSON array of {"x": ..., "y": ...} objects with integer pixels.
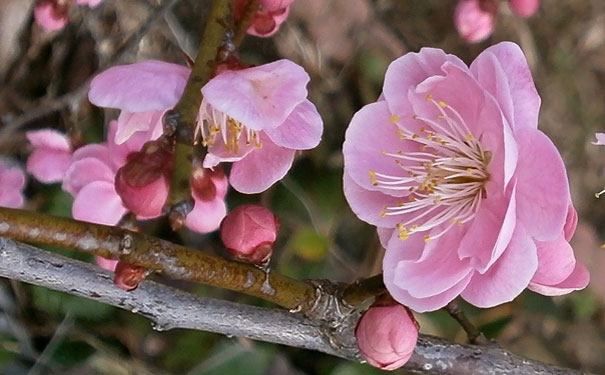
[{"x": 244, "y": 22}]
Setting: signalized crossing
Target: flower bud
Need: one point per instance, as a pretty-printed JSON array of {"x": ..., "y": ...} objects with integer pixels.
[
  {"x": 524, "y": 8},
  {"x": 144, "y": 181},
  {"x": 249, "y": 232},
  {"x": 474, "y": 19},
  {"x": 386, "y": 335},
  {"x": 107, "y": 264},
  {"x": 51, "y": 15},
  {"x": 128, "y": 276}
]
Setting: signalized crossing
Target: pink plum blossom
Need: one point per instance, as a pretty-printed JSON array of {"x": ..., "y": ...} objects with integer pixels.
[
  {"x": 267, "y": 20},
  {"x": 257, "y": 118},
  {"x": 524, "y": 8},
  {"x": 474, "y": 19},
  {"x": 12, "y": 182},
  {"x": 249, "y": 232},
  {"x": 51, "y": 15},
  {"x": 51, "y": 155},
  {"x": 470, "y": 198},
  {"x": 143, "y": 92},
  {"x": 386, "y": 335}
]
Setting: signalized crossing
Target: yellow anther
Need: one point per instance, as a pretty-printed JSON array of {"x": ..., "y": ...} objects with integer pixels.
[
  {"x": 469, "y": 137},
  {"x": 422, "y": 129},
  {"x": 442, "y": 104},
  {"x": 394, "y": 118},
  {"x": 414, "y": 136},
  {"x": 427, "y": 238},
  {"x": 373, "y": 180},
  {"x": 400, "y": 204},
  {"x": 401, "y": 134},
  {"x": 429, "y": 97},
  {"x": 441, "y": 117},
  {"x": 383, "y": 152},
  {"x": 383, "y": 213},
  {"x": 411, "y": 198},
  {"x": 404, "y": 234},
  {"x": 437, "y": 199}
]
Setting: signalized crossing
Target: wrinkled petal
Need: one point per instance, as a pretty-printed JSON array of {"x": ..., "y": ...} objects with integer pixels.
[
  {"x": 261, "y": 97},
  {"x": 97, "y": 151},
  {"x": 369, "y": 137},
  {"x": 556, "y": 261},
  {"x": 542, "y": 187},
  {"x": 507, "y": 278},
  {"x": 523, "y": 93},
  {"x": 206, "y": 216},
  {"x": 261, "y": 168},
  {"x": 384, "y": 234},
  {"x": 578, "y": 280},
  {"x": 571, "y": 222},
  {"x": 140, "y": 87},
  {"x": 131, "y": 123},
  {"x": 48, "y": 165},
  {"x": 301, "y": 130},
  {"x": 600, "y": 139},
  {"x": 408, "y": 71},
  {"x": 85, "y": 171},
  {"x": 98, "y": 203}
]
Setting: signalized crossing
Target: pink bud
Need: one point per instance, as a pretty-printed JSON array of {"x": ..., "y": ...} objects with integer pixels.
[
  {"x": 51, "y": 15},
  {"x": 249, "y": 232},
  {"x": 128, "y": 276},
  {"x": 386, "y": 335},
  {"x": 524, "y": 8},
  {"x": 266, "y": 20},
  {"x": 474, "y": 19},
  {"x": 108, "y": 264},
  {"x": 143, "y": 182}
]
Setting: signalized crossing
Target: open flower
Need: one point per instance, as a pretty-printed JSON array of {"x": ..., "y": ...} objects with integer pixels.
[
  {"x": 51, "y": 155},
  {"x": 257, "y": 118},
  {"x": 469, "y": 196},
  {"x": 12, "y": 181}
]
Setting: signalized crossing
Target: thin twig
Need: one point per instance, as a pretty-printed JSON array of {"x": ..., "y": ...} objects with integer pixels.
[
  {"x": 474, "y": 335},
  {"x": 171, "y": 308}
]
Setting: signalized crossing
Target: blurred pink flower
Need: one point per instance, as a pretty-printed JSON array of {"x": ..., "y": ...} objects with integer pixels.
[
  {"x": 386, "y": 335},
  {"x": 12, "y": 181},
  {"x": 267, "y": 20},
  {"x": 469, "y": 196},
  {"x": 524, "y": 8},
  {"x": 108, "y": 264},
  {"x": 257, "y": 118},
  {"x": 474, "y": 19},
  {"x": 51, "y": 155},
  {"x": 249, "y": 232},
  {"x": 142, "y": 91},
  {"x": 50, "y": 15}
]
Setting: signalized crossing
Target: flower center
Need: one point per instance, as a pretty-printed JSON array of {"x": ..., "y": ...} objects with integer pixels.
[
  {"x": 445, "y": 176},
  {"x": 212, "y": 122}
]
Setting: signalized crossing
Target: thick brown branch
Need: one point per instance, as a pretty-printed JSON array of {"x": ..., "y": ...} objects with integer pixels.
[
  {"x": 173, "y": 261},
  {"x": 171, "y": 308}
]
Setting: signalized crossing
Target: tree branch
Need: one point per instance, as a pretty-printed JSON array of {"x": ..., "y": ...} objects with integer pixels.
[{"x": 171, "y": 308}]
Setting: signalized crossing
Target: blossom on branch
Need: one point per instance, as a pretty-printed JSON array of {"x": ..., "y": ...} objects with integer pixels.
[
  {"x": 51, "y": 155},
  {"x": 469, "y": 197},
  {"x": 257, "y": 118},
  {"x": 12, "y": 182}
]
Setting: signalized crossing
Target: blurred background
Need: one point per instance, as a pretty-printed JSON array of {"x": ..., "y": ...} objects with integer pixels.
[{"x": 346, "y": 46}]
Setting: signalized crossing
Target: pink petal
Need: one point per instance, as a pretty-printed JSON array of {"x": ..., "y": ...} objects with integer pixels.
[
  {"x": 49, "y": 16},
  {"x": 119, "y": 151},
  {"x": 437, "y": 270},
  {"x": 98, "y": 203},
  {"x": 218, "y": 153},
  {"x": 542, "y": 187},
  {"x": 600, "y": 139},
  {"x": 206, "y": 216},
  {"x": 301, "y": 130},
  {"x": 85, "y": 171},
  {"x": 408, "y": 71},
  {"x": 578, "y": 279},
  {"x": 571, "y": 222},
  {"x": 48, "y": 138},
  {"x": 369, "y": 205},
  {"x": 12, "y": 178},
  {"x": 131, "y": 123},
  {"x": 556, "y": 261},
  {"x": 261, "y": 168},
  {"x": 490, "y": 232},
  {"x": 473, "y": 22},
  {"x": 371, "y": 133},
  {"x": 524, "y": 8},
  {"x": 261, "y": 97},
  {"x": 97, "y": 151},
  {"x": 11, "y": 198},
  {"x": 140, "y": 87},
  {"x": 384, "y": 234},
  {"x": 525, "y": 98},
  {"x": 48, "y": 165},
  {"x": 274, "y": 5},
  {"x": 108, "y": 264},
  {"x": 508, "y": 277}
]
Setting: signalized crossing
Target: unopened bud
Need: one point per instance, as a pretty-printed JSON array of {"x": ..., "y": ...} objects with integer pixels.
[
  {"x": 128, "y": 276},
  {"x": 474, "y": 19},
  {"x": 143, "y": 182},
  {"x": 386, "y": 335},
  {"x": 249, "y": 232},
  {"x": 524, "y": 8}
]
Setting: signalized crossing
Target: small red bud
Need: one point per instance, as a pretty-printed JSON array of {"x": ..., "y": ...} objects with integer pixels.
[
  {"x": 249, "y": 232},
  {"x": 386, "y": 334},
  {"x": 128, "y": 276}
]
